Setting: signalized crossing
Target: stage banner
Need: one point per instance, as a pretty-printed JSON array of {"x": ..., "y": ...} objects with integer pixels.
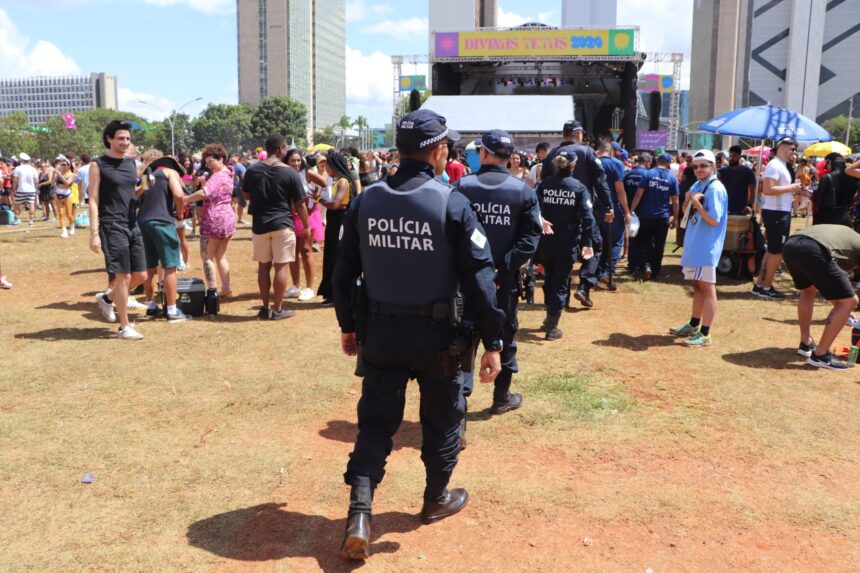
[
  {"x": 656, "y": 83},
  {"x": 651, "y": 140},
  {"x": 409, "y": 83},
  {"x": 579, "y": 42}
]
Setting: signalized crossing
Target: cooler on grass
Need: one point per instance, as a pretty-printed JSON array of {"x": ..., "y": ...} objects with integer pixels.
[{"x": 191, "y": 296}]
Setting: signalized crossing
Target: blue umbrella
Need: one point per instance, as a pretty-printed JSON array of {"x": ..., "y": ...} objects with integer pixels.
[{"x": 766, "y": 122}]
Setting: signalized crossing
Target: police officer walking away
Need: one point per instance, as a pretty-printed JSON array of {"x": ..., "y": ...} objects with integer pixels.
[
  {"x": 413, "y": 241},
  {"x": 589, "y": 171},
  {"x": 509, "y": 211},
  {"x": 566, "y": 204}
]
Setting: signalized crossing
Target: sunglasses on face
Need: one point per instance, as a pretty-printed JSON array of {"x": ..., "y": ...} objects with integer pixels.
[{"x": 701, "y": 165}]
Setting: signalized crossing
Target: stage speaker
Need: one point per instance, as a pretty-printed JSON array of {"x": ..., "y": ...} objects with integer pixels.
[{"x": 655, "y": 106}]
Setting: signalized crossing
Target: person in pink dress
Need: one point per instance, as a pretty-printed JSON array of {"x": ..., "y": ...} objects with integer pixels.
[{"x": 217, "y": 218}]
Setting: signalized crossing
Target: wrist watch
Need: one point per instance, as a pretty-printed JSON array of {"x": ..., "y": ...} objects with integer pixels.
[{"x": 495, "y": 346}]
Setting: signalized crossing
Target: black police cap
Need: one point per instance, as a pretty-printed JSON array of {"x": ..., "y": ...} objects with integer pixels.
[
  {"x": 572, "y": 126},
  {"x": 421, "y": 128}
]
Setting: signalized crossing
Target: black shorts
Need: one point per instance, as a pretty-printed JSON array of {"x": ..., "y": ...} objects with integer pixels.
[
  {"x": 123, "y": 248},
  {"x": 777, "y": 228},
  {"x": 237, "y": 193},
  {"x": 811, "y": 264}
]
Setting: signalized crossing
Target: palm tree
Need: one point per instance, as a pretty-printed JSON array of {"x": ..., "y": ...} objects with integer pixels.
[{"x": 361, "y": 123}]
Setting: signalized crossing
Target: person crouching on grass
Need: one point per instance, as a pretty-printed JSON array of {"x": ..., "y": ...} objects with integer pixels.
[{"x": 703, "y": 244}]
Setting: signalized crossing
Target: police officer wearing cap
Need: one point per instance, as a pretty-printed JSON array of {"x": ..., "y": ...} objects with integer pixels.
[
  {"x": 565, "y": 204},
  {"x": 589, "y": 171},
  {"x": 509, "y": 211},
  {"x": 413, "y": 242}
]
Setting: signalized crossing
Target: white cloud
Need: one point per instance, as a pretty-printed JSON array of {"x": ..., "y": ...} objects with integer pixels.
[
  {"x": 506, "y": 19},
  {"x": 206, "y": 6},
  {"x": 651, "y": 20},
  {"x": 406, "y": 29},
  {"x": 156, "y": 109},
  {"x": 370, "y": 87},
  {"x": 359, "y": 10},
  {"x": 20, "y": 60}
]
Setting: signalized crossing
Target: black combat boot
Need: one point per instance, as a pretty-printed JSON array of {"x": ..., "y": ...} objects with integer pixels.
[
  {"x": 356, "y": 541},
  {"x": 508, "y": 403},
  {"x": 553, "y": 332},
  {"x": 583, "y": 297},
  {"x": 447, "y": 504}
]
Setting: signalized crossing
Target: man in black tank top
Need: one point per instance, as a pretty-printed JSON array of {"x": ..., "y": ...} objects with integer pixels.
[{"x": 113, "y": 224}]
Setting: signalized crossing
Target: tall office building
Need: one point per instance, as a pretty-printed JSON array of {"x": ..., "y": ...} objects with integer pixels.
[
  {"x": 448, "y": 16},
  {"x": 42, "y": 97},
  {"x": 790, "y": 53},
  {"x": 589, "y": 13},
  {"x": 294, "y": 48}
]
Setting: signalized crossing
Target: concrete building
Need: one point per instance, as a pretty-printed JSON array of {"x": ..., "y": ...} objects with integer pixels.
[
  {"x": 294, "y": 48},
  {"x": 790, "y": 53},
  {"x": 449, "y": 16},
  {"x": 42, "y": 97},
  {"x": 589, "y": 14}
]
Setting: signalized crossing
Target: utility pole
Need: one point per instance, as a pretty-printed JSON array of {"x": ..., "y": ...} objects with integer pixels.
[{"x": 850, "y": 119}]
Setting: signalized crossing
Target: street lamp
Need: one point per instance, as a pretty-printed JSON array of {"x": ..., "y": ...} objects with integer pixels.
[{"x": 170, "y": 118}]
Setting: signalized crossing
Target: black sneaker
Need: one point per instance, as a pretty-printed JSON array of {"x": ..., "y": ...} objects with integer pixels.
[
  {"x": 827, "y": 361},
  {"x": 511, "y": 402},
  {"x": 806, "y": 350},
  {"x": 757, "y": 290},
  {"x": 771, "y": 294},
  {"x": 263, "y": 314},
  {"x": 153, "y": 312}
]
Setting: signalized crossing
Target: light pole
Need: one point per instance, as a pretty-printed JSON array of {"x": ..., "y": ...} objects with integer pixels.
[{"x": 169, "y": 117}]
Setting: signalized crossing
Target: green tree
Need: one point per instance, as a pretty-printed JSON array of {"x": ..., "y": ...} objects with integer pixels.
[
  {"x": 327, "y": 135},
  {"x": 229, "y": 125},
  {"x": 15, "y": 136},
  {"x": 838, "y": 126},
  {"x": 278, "y": 114},
  {"x": 182, "y": 131},
  {"x": 87, "y": 135}
]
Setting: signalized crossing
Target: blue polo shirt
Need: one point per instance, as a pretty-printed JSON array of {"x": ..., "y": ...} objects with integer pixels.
[
  {"x": 614, "y": 169},
  {"x": 660, "y": 186},
  {"x": 632, "y": 179}
]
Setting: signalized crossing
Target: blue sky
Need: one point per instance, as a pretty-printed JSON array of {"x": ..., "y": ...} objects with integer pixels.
[{"x": 168, "y": 52}]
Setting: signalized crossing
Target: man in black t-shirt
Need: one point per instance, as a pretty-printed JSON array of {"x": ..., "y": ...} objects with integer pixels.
[
  {"x": 274, "y": 190},
  {"x": 739, "y": 181},
  {"x": 113, "y": 224}
]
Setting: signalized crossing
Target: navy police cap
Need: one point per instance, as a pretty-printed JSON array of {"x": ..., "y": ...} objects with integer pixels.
[
  {"x": 569, "y": 155},
  {"x": 572, "y": 126},
  {"x": 497, "y": 140},
  {"x": 421, "y": 128}
]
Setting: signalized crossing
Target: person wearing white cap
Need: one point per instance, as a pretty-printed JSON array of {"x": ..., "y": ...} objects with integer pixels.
[
  {"x": 63, "y": 178},
  {"x": 24, "y": 179},
  {"x": 706, "y": 218}
]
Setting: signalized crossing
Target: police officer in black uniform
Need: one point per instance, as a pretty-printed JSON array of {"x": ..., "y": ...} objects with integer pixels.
[
  {"x": 509, "y": 211},
  {"x": 414, "y": 242},
  {"x": 589, "y": 171},
  {"x": 566, "y": 204}
]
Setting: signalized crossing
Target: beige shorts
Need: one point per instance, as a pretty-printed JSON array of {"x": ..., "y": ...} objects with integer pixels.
[{"x": 277, "y": 247}]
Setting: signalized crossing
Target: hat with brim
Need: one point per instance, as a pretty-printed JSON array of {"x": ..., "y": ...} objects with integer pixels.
[{"x": 169, "y": 162}]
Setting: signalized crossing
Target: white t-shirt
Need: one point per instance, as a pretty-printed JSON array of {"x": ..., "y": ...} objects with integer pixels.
[
  {"x": 533, "y": 171},
  {"x": 777, "y": 171},
  {"x": 26, "y": 175}
]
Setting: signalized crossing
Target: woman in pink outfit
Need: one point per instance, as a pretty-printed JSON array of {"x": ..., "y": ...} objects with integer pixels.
[
  {"x": 303, "y": 246},
  {"x": 217, "y": 218}
]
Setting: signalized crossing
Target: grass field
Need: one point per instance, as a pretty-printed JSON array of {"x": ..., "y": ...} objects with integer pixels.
[{"x": 219, "y": 445}]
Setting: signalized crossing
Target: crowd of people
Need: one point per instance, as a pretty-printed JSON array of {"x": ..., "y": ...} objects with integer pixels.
[{"x": 424, "y": 252}]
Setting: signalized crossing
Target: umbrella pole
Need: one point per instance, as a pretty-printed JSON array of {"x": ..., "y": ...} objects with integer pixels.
[{"x": 756, "y": 210}]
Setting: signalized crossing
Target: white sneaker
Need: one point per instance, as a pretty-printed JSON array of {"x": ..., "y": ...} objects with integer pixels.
[
  {"x": 106, "y": 308},
  {"x": 292, "y": 292},
  {"x": 64, "y": 234},
  {"x": 306, "y": 294},
  {"x": 129, "y": 333},
  {"x": 4, "y": 283},
  {"x": 133, "y": 304},
  {"x": 71, "y": 230},
  {"x": 182, "y": 266}
]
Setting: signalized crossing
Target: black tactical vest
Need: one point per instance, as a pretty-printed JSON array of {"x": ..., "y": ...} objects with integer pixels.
[
  {"x": 498, "y": 198},
  {"x": 406, "y": 256},
  {"x": 559, "y": 199}
]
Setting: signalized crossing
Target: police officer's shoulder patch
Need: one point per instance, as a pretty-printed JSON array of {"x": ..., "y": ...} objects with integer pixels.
[{"x": 479, "y": 239}]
